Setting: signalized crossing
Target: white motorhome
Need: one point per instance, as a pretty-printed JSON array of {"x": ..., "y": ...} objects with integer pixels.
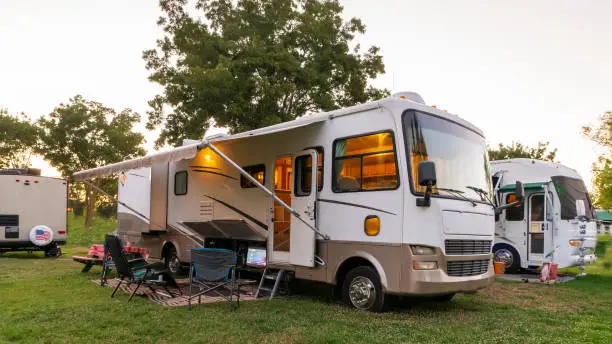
[
  {"x": 555, "y": 223},
  {"x": 380, "y": 198},
  {"x": 32, "y": 211}
]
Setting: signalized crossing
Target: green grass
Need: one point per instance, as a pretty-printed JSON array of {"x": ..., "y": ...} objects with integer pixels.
[{"x": 51, "y": 301}]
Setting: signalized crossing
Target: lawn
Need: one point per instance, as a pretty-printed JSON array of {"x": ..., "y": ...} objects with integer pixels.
[{"x": 51, "y": 301}]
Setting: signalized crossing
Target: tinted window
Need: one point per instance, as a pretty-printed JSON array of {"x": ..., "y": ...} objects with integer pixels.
[
  {"x": 180, "y": 183},
  {"x": 256, "y": 171},
  {"x": 365, "y": 163},
  {"x": 303, "y": 175},
  {"x": 569, "y": 191},
  {"x": 516, "y": 213}
]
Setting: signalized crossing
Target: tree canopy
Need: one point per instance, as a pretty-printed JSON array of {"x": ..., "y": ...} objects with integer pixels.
[
  {"x": 518, "y": 150},
  {"x": 602, "y": 168},
  {"x": 18, "y": 138},
  {"x": 85, "y": 134},
  {"x": 251, "y": 63}
]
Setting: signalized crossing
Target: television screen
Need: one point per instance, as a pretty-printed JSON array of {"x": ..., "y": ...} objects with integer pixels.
[{"x": 256, "y": 257}]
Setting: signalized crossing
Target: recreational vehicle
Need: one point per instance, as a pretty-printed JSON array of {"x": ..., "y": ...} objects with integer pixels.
[
  {"x": 554, "y": 224},
  {"x": 389, "y": 197},
  {"x": 32, "y": 212}
]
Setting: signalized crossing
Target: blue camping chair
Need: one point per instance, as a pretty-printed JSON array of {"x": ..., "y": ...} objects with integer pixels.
[{"x": 213, "y": 270}]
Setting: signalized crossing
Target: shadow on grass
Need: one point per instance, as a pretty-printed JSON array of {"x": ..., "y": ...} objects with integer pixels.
[{"x": 25, "y": 255}]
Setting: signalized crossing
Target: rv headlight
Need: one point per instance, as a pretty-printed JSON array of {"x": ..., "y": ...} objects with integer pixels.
[
  {"x": 576, "y": 243},
  {"x": 425, "y": 265},
  {"x": 422, "y": 250}
]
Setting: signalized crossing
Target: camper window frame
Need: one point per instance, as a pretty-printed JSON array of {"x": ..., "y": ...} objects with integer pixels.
[
  {"x": 334, "y": 185},
  {"x": 186, "y": 182},
  {"x": 243, "y": 179}
]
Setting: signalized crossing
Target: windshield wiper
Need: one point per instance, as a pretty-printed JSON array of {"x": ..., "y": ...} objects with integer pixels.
[
  {"x": 482, "y": 193},
  {"x": 457, "y": 193}
]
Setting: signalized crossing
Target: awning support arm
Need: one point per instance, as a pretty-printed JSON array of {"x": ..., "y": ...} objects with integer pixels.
[
  {"x": 260, "y": 186},
  {"x": 134, "y": 210}
]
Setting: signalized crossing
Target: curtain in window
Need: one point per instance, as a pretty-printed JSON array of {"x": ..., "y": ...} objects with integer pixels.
[{"x": 340, "y": 151}]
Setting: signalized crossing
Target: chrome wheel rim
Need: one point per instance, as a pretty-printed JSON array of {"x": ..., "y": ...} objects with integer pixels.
[
  {"x": 362, "y": 292},
  {"x": 504, "y": 256}
]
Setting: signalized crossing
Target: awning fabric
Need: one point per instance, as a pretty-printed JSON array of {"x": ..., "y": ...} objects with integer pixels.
[
  {"x": 190, "y": 151},
  {"x": 526, "y": 186},
  {"x": 180, "y": 153}
]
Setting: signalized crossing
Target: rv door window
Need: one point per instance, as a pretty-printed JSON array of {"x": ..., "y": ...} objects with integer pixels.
[
  {"x": 180, "y": 183},
  {"x": 256, "y": 171},
  {"x": 516, "y": 213},
  {"x": 365, "y": 163}
]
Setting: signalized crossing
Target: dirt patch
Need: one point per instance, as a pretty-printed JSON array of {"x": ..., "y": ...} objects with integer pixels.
[{"x": 531, "y": 296}]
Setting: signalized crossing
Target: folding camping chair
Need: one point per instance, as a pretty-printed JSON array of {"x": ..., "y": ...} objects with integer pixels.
[
  {"x": 210, "y": 270},
  {"x": 137, "y": 270}
]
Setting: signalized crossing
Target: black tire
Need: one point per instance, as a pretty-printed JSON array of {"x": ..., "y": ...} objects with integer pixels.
[
  {"x": 444, "y": 298},
  {"x": 365, "y": 284},
  {"x": 509, "y": 255},
  {"x": 53, "y": 251},
  {"x": 171, "y": 260}
]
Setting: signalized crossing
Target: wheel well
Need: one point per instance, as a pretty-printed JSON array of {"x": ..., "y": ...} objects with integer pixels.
[
  {"x": 348, "y": 265},
  {"x": 501, "y": 244},
  {"x": 165, "y": 249}
]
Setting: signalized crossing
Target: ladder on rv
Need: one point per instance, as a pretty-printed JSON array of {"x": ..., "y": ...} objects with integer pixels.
[{"x": 269, "y": 275}]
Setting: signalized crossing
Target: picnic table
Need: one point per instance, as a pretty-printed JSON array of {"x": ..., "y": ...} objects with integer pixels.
[{"x": 96, "y": 256}]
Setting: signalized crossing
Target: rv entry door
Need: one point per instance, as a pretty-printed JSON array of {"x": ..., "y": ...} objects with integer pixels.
[
  {"x": 303, "y": 199},
  {"x": 539, "y": 231}
]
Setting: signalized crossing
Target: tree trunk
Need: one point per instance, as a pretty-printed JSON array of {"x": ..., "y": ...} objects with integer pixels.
[{"x": 89, "y": 204}]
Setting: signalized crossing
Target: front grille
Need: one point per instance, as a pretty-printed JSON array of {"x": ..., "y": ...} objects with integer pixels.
[
  {"x": 9, "y": 220},
  {"x": 459, "y": 247},
  {"x": 467, "y": 267}
]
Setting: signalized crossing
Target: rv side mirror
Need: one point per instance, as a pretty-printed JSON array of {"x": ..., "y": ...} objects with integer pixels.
[
  {"x": 426, "y": 177},
  {"x": 520, "y": 192},
  {"x": 427, "y": 173}
]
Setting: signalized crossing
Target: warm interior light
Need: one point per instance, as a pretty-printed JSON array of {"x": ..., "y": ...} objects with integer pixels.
[
  {"x": 207, "y": 157},
  {"x": 372, "y": 225}
]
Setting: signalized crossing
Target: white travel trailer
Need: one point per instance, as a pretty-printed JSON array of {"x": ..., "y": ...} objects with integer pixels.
[
  {"x": 32, "y": 212},
  {"x": 381, "y": 198},
  {"x": 555, "y": 223}
]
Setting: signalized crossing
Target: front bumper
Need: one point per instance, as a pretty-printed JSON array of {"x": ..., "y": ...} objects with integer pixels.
[{"x": 436, "y": 282}]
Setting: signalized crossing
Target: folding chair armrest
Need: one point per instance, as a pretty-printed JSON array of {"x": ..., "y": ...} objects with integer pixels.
[{"x": 137, "y": 260}]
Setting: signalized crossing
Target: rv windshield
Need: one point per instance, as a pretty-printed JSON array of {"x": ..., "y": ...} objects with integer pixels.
[
  {"x": 569, "y": 191},
  {"x": 459, "y": 153}
]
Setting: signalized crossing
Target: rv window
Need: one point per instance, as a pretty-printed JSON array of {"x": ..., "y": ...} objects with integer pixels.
[
  {"x": 303, "y": 175},
  {"x": 515, "y": 213},
  {"x": 256, "y": 171},
  {"x": 365, "y": 163},
  {"x": 180, "y": 183}
]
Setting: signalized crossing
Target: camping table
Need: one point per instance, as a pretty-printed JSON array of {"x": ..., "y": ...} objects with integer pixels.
[{"x": 134, "y": 250}]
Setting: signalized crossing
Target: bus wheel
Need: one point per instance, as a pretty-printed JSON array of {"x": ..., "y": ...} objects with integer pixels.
[
  {"x": 507, "y": 255},
  {"x": 171, "y": 260},
  {"x": 362, "y": 289}
]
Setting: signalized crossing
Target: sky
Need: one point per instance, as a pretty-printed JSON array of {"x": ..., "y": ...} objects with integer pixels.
[{"x": 527, "y": 71}]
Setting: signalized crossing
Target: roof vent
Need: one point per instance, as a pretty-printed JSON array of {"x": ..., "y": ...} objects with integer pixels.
[{"x": 412, "y": 96}]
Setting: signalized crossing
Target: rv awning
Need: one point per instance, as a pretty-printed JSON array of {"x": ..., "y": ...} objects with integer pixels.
[
  {"x": 526, "y": 186},
  {"x": 180, "y": 153},
  {"x": 190, "y": 151}
]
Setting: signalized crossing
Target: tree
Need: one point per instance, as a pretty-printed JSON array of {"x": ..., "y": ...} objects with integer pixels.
[
  {"x": 518, "y": 150},
  {"x": 602, "y": 168},
  {"x": 85, "y": 134},
  {"x": 253, "y": 63},
  {"x": 17, "y": 139}
]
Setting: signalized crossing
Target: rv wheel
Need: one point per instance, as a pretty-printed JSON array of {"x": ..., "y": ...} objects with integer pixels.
[
  {"x": 172, "y": 261},
  {"x": 362, "y": 289},
  {"x": 507, "y": 255}
]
